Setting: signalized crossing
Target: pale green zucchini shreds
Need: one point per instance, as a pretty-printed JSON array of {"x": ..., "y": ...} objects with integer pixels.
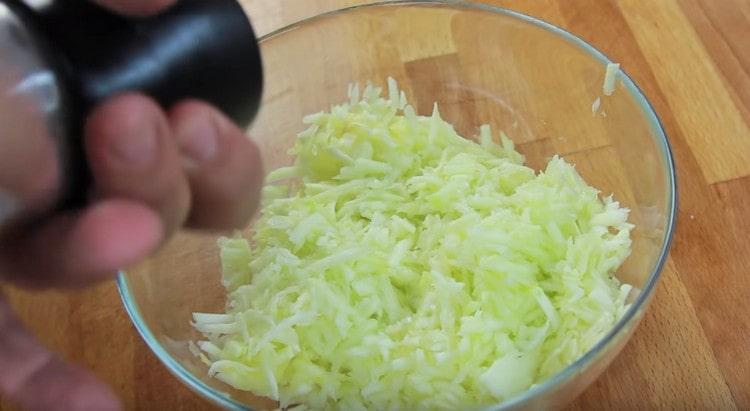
[{"x": 410, "y": 268}]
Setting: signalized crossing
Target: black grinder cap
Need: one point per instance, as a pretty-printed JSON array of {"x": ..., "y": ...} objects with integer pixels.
[{"x": 202, "y": 49}]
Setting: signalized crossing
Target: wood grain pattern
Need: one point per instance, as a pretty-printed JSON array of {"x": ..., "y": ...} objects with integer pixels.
[
  {"x": 718, "y": 135},
  {"x": 692, "y": 59}
]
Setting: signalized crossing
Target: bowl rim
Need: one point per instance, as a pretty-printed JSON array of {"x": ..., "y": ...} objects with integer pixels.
[{"x": 636, "y": 309}]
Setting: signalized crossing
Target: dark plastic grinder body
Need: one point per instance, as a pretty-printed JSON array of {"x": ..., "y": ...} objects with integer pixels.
[{"x": 202, "y": 49}]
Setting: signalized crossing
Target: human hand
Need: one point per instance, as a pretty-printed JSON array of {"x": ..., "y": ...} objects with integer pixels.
[{"x": 154, "y": 172}]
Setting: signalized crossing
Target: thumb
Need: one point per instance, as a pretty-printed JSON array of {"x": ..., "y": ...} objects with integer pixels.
[
  {"x": 35, "y": 379},
  {"x": 136, "y": 7}
]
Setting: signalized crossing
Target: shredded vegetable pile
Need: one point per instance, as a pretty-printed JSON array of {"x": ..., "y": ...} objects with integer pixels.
[{"x": 398, "y": 265}]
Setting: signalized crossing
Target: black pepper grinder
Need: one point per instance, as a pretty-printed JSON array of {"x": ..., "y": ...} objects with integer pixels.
[{"x": 60, "y": 58}]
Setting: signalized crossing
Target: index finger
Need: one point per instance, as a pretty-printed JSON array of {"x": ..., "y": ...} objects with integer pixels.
[{"x": 136, "y": 7}]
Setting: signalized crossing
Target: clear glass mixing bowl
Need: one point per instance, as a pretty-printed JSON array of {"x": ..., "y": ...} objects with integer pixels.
[{"x": 482, "y": 65}]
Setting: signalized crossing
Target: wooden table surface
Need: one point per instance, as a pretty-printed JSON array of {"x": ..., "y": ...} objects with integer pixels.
[{"x": 692, "y": 59}]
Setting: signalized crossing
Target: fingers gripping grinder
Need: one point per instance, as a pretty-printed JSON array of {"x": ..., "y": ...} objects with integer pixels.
[{"x": 60, "y": 58}]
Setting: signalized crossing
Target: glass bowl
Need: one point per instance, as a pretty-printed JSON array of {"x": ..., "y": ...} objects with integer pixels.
[{"x": 482, "y": 65}]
